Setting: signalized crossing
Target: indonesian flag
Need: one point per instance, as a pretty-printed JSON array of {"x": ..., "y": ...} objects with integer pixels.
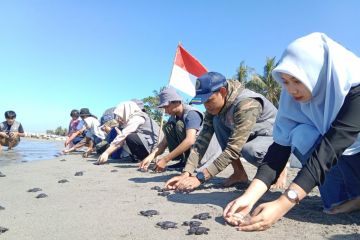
[{"x": 185, "y": 71}]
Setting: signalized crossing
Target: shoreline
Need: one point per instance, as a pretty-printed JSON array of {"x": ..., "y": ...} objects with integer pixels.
[{"x": 105, "y": 204}]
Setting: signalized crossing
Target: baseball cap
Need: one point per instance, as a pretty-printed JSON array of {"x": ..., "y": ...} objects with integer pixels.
[{"x": 206, "y": 85}]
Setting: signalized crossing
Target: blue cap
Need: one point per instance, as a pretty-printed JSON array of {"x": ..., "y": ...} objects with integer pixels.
[{"x": 206, "y": 85}]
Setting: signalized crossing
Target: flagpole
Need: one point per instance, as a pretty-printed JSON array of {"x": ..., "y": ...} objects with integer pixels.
[{"x": 163, "y": 110}]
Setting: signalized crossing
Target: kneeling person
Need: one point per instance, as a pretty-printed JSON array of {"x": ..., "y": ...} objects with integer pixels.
[
  {"x": 138, "y": 130},
  {"x": 242, "y": 121},
  {"x": 180, "y": 131}
]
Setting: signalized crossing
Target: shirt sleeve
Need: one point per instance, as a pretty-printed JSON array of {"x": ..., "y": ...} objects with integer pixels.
[
  {"x": 80, "y": 125},
  {"x": 201, "y": 144},
  {"x": 130, "y": 127},
  {"x": 245, "y": 116},
  {"x": 193, "y": 120},
  {"x": 342, "y": 134},
  {"x": 274, "y": 162}
]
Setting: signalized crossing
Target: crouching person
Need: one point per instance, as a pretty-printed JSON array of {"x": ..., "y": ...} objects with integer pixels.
[
  {"x": 242, "y": 121},
  {"x": 180, "y": 131},
  {"x": 10, "y": 131},
  {"x": 139, "y": 132}
]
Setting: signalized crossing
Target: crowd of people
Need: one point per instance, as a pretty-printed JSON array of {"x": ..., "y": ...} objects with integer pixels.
[{"x": 316, "y": 125}]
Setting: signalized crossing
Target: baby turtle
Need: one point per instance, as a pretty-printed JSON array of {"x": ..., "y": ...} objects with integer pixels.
[
  {"x": 202, "y": 216},
  {"x": 62, "y": 160},
  {"x": 41, "y": 195},
  {"x": 34, "y": 189},
  {"x": 157, "y": 188},
  {"x": 2, "y": 208},
  {"x": 63, "y": 181},
  {"x": 164, "y": 193},
  {"x": 198, "y": 230},
  {"x": 24, "y": 161},
  {"x": 2, "y": 229},
  {"x": 166, "y": 225},
  {"x": 79, "y": 173},
  {"x": 241, "y": 217},
  {"x": 2, "y": 175},
  {"x": 192, "y": 223},
  {"x": 149, "y": 213},
  {"x": 114, "y": 170}
]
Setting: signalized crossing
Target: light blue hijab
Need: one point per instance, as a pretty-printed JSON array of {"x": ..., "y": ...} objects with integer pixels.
[{"x": 328, "y": 70}]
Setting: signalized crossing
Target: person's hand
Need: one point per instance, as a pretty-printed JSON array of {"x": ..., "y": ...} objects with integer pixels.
[
  {"x": 144, "y": 164},
  {"x": 173, "y": 182},
  {"x": 241, "y": 206},
  {"x": 265, "y": 215},
  {"x": 188, "y": 184},
  {"x": 160, "y": 165},
  {"x": 3, "y": 134},
  {"x": 13, "y": 134},
  {"x": 103, "y": 158},
  {"x": 67, "y": 142}
]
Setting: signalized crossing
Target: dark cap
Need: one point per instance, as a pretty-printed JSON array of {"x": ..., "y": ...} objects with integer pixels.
[
  {"x": 167, "y": 96},
  {"x": 84, "y": 112},
  {"x": 206, "y": 85}
]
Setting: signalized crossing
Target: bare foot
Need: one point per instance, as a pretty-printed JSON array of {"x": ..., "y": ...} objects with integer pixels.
[
  {"x": 281, "y": 182},
  {"x": 234, "y": 179},
  {"x": 239, "y": 175},
  {"x": 346, "y": 207}
]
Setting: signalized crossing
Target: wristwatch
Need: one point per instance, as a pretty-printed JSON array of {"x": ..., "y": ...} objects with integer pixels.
[
  {"x": 201, "y": 177},
  {"x": 292, "y": 195}
]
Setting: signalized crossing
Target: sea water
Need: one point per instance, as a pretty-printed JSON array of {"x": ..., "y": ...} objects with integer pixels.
[{"x": 31, "y": 150}]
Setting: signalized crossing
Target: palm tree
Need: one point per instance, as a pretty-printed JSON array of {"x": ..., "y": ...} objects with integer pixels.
[
  {"x": 243, "y": 72},
  {"x": 266, "y": 84}
]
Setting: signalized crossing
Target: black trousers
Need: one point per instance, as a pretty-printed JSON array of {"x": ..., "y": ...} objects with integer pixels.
[{"x": 137, "y": 148}]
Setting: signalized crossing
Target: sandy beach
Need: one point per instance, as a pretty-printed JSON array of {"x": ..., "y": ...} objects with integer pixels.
[{"x": 105, "y": 203}]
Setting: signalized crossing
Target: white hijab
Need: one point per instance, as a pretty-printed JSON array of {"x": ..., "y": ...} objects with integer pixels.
[
  {"x": 94, "y": 126},
  {"x": 126, "y": 110},
  {"x": 328, "y": 70}
]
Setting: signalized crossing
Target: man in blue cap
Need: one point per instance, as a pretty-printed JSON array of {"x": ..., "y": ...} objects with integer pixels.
[
  {"x": 242, "y": 121},
  {"x": 180, "y": 131}
]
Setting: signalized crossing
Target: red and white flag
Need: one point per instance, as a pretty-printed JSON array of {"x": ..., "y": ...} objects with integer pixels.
[{"x": 185, "y": 71}]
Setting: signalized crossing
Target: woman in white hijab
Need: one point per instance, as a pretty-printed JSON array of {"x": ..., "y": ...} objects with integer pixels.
[
  {"x": 138, "y": 130},
  {"x": 318, "y": 120}
]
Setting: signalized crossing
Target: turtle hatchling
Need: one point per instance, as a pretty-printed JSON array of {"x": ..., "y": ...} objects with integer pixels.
[
  {"x": 202, "y": 216},
  {"x": 192, "y": 223},
  {"x": 34, "y": 190},
  {"x": 166, "y": 224},
  {"x": 157, "y": 188},
  {"x": 149, "y": 213},
  {"x": 2, "y": 229},
  {"x": 41, "y": 195},
  {"x": 2, "y": 208},
  {"x": 198, "y": 230},
  {"x": 63, "y": 181},
  {"x": 164, "y": 194},
  {"x": 79, "y": 174}
]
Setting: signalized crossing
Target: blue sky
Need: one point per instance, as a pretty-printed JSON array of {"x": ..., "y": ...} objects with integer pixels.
[{"x": 57, "y": 55}]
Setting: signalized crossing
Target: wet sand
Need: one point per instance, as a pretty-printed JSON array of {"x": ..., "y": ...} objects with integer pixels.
[{"x": 103, "y": 204}]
